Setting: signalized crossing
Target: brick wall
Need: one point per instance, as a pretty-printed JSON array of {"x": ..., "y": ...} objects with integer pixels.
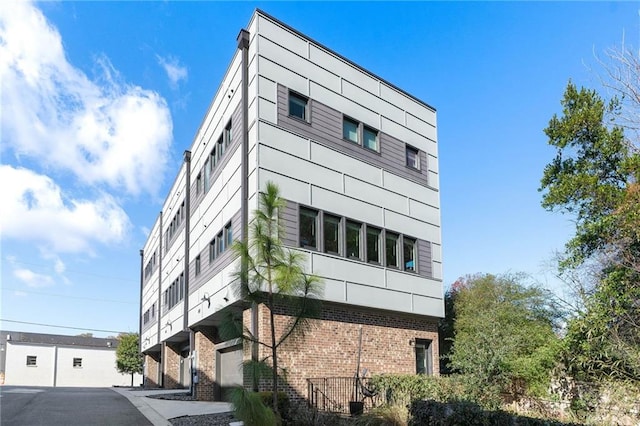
[
  {"x": 204, "y": 345},
  {"x": 151, "y": 379},
  {"x": 171, "y": 367},
  {"x": 330, "y": 347}
]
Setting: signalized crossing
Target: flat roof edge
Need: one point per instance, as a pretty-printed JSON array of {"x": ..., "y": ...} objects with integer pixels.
[{"x": 349, "y": 61}]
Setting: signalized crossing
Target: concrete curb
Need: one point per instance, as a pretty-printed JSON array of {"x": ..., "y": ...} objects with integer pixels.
[{"x": 152, "y": 415}]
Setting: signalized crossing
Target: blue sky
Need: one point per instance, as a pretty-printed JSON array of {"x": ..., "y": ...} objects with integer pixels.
[{"x": 99, "y": 100}]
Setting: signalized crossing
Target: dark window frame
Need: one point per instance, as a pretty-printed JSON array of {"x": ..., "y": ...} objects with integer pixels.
[
  {"x": 315, "y": 231},
  {"x": 416, "y": 153},
  {"x": 305, "y": 110},
  {"x": 32, "y": 360},
  {"x": 360, "y": 227},
  {"x": 77, "y": 362}
]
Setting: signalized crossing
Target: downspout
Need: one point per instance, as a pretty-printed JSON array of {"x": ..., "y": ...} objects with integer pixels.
[
  {"x": 160, "y": 309},
  {"x": 187, "y": 239},
  {"x": 140, "y": 311},
  {"x": 141, "y": 288},
  {"x": 243, "y": 44},
  {"x": 187, "y": 234}
]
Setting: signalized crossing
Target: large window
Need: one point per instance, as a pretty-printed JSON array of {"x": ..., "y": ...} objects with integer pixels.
[
  {"x": 413, "y": 157},
  {"x": 354, "y": 235},
  {"x": 308, "y": 228},
  {"x": 354, "y": 131},
  {"x": 212, "y": 250},
  {"x": 227, "y": 134},
  {"x": 409, "y": 251},
  {"x": 370, "y": 139},
  {"x": 350, "y": 130},
  {"x": 228, "y": 233},
  {"x": 221, "y": 242},
  {"x": 331, "y": 234},
  {"x": 32, "y": 360},
  {"x": 373, "y": 245},
  {"x": 298, "y": 106},
  {"x": 199, "y": 183},
  {"x": 424, "y": 357},
  {"x": 207, "y": 175},
  {"x": 392, "y": 249}
]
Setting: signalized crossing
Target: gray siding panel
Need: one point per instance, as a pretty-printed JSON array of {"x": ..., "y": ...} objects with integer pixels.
[
  {"x": 425, "y": 268},
  {"x": 208, "y": 270},
  {"x": 290, "y": 224},
  {"x": 325, "y": 127}
]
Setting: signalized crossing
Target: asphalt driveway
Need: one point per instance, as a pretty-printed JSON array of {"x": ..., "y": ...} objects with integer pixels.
[{"x": 35, "y": 406}]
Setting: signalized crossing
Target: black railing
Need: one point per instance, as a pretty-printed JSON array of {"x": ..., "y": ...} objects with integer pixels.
[{"x": 333, "y": 394}]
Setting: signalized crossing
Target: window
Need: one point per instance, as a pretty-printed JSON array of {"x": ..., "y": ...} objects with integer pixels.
[
  {"x": 298, "y": 106},
  {"x": 331, "y": 234},
  {"x": 199, "y": 183},
  {"x": 392, "y": 249},
  {"x": 31, "y": 360},
  {"x": 197, "y": 265},
  {"x": 370, "y": 139},
  {"x": 145, "y": 317},
  {"x": 77, "y": 363},
  {"x": 354, "y": 235},
  {"x": 213, "y": 157},
  {"x": 227, "y": 134},
  {"x": 221, "y": 246},
  {"x": 413, "y": 157},
  {"x": 228, "y": 233},
  {"x": 409, "y": 251},
  {"x": 424, "y": 357},
  {"x": 221, "y": 146},
  {"x": 153, "y": 310},
  {"x": 308, "y": 228},
  {"x": 350, "y": 130},
  {"x": 181, "y": 287},
  {"x": 373, "y": 245},
  {"x": 207, "y": 175},
  {"x": 212, "y": 250}
]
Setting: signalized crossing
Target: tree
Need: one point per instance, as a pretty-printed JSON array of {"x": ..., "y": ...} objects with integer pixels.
[
  {"x": 594, "y": 178},
  {"x": 274, "y": 276},
  {"x": 504, "y": 339},
  {"x": 128, "y": 357}
]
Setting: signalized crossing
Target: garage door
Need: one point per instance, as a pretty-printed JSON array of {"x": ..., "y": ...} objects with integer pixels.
[{"x": 229, "y": 368}]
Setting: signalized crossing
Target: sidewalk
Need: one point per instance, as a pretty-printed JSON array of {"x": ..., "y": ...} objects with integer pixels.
[{"x": 159, "y": 411}]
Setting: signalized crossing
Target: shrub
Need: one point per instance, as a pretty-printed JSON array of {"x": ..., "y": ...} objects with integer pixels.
[
  {"x": 283, "y": 402},
  {"x": 433, "y": 413},
  {"x": 403, "y": 389},
  {"x": 249, "y": 407},
  {"x": 386, "y": 415}
]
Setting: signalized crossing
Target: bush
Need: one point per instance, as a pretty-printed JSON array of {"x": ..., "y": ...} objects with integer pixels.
[
  {"x": 283, "y": 402},
  {"x": 386, "y": 415},
  {"x": 433, "y": 413},
  {"x": 402, "y": 389},
  {"x": 249, "y": 407}
]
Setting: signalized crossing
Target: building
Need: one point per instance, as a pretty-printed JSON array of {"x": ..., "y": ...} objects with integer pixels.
[
  {"x": 356, "y": 159},
  {"x": 35, "y": 359}
]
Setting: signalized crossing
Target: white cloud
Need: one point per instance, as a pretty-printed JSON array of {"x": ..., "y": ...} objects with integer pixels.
[
  {"x": 35, "y": 209},
  {"x": 174, "y": 70},
  {"x": 19, "y": 293},
  {"x": 32, "y": 279},
  {"x": 103, "y": 131}
]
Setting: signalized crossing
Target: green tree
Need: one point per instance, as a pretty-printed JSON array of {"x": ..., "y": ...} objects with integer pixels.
[
  {"x": 594, "y": 178},
  {"x": 274, "y": 276},
  {"x": 128, "y": 357},
  {"x": 504, "y": 339}
]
